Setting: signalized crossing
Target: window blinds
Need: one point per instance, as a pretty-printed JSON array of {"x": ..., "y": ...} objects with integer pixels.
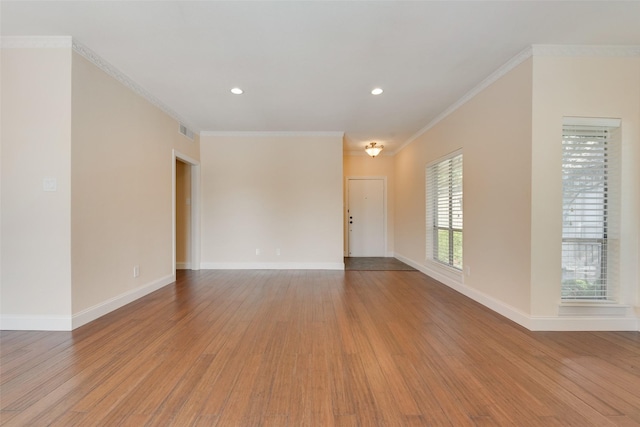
[
  {"x": 444, "y": 211},
  {"x": 588, "y": 212}
]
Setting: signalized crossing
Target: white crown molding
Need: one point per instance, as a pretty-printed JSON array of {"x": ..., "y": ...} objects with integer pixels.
[
  {"x": 126, "y": 81},
  {"x": 36, "y": 42},
  {"x": 249, "y": 134},
  {"x": 585, "y": 50},
  {"x": 49, "y": 42},
  {"x": 493, "y": 77},
  {"x": 534, "y": 50}
]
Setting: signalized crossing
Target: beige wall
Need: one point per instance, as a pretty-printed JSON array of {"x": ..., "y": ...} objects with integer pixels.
[
  {"x": 183, "y": 214},
  {"x": 68, "y": 255},
  {"x": 583, "y": 87},
  {"x": 121, "y": 188},
  {"x": 269, "y": 192},
  {"x": 510, "y": 135},
  {"x": 36, "y": 143},
  {"x": 383, "y": 165},
  {"x": 494, "y": 131},
  {"x": 72, "y": 252}
]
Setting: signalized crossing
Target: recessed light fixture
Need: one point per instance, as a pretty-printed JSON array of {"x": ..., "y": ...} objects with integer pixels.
[
  {"x": 237, "y": 91},
  {"x": 376, "y": 91}
]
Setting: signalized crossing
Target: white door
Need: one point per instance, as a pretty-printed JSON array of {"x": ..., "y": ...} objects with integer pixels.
[{"x": 366, "y": 218}]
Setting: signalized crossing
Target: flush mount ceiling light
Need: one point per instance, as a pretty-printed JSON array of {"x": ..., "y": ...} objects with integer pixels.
[
  {"x": 237, "y": 91},
  {"x": 376, "y": 91},
  {"x": 373, "y": 149}
]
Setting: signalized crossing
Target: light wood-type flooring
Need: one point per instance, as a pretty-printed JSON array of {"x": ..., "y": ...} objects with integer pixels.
[{"x": 316, "y": 348}]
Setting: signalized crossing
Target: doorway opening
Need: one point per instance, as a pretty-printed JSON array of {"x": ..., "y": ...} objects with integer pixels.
[{"x": 186, "y": 202}]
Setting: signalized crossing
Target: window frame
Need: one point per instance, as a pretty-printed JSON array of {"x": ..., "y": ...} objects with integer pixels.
[
  {"x": 434, "y": 226},
  {"x": 604, "y": 288}
]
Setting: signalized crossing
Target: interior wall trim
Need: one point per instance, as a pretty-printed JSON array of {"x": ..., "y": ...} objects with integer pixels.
[
  {"x": 92, "y": 313},
  {"x": 492, "y": 78},
  {"x": 128, "y": 82},
  {"x": 69, "y": 323},
  {"x": 533, "y": 50},
  {"x": 35, "y": 323},
  {"x": 532, "y": 323},
  {"x": 50, "y": 42}
]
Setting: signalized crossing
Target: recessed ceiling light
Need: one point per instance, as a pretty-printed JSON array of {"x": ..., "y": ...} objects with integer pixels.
[
  {"x": 376, "y": 91},
  {"x": 237, "y": 91}
]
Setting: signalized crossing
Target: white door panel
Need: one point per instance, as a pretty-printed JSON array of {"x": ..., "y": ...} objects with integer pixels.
[{"x": 366, "y": 218}]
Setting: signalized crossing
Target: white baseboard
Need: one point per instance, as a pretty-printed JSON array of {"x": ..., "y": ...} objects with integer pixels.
[
  {"x": 92, "y": 313},
  {"x": 272, "y": 265},
  {"x": 559, "y": 323},
  {"x": 506, "y": 310},
  {"x": 69, "y": 323},
  {"x": 183, "y": 266},
  {"x": 35, "y": 323}
]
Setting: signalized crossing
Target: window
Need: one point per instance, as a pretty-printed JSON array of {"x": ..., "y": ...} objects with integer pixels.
[
  {"x": 444, "y": 210},
  {"x": 590, "y": 174}
]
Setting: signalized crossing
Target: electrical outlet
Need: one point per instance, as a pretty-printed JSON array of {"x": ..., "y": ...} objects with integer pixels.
[
  {"x": 278, "y": 252},
  {"x": 468, "y": 268},
  {"x": 49, "y": 184},
  {"x": 136, "y": 271},
  {"x": 257, "y": 251}
]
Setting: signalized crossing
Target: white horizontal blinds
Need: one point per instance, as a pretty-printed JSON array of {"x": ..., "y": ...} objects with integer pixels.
[
  {"x": 444, "y": 211},
  {"x": 613, "y": 207},
  {"x": 586, "y": 213}
]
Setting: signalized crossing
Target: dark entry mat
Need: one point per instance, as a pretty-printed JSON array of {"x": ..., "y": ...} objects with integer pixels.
[{"x": 375, "y": 263}]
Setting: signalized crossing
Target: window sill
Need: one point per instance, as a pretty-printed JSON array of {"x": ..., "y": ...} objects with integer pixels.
[
  {"x": 443, "y": 270},
  {"x": 592, "y": 308}
]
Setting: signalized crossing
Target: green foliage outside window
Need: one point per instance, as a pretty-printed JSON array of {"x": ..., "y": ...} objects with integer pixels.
[{"x": 443, "y": 248}]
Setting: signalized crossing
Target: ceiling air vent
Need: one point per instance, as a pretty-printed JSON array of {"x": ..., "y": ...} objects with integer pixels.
[{"x": 186, "y": 132}]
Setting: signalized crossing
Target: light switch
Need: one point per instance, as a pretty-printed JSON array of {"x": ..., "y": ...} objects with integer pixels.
[{"x": 49, "y": 184}]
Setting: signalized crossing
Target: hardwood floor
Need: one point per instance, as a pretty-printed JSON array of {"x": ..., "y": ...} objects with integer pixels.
[{"x": 318, "y": 348}]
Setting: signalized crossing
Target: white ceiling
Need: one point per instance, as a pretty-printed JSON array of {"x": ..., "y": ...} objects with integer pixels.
[{"x": 310, "y": 65}]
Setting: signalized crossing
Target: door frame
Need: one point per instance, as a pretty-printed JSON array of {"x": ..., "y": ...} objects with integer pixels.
[
  {"x": 346, "y": 210},
  {"x": 195, "y": 208}
]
